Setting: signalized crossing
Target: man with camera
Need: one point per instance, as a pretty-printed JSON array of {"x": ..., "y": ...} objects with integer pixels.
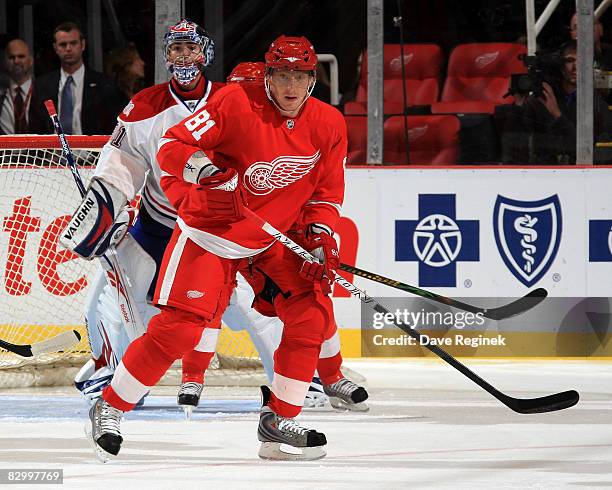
[{"x": 541, "y": 126}]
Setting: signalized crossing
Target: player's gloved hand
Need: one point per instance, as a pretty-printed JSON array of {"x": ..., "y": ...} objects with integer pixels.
[
  {"x": 223, "y": 197},
  {"x": 323, "y": 246}
]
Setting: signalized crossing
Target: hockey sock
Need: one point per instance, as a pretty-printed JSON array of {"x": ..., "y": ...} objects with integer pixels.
[{"x": 195, "y": 365}]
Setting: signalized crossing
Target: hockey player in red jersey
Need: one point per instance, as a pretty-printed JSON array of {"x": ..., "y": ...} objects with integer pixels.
[{"x": 282, "y": 154}]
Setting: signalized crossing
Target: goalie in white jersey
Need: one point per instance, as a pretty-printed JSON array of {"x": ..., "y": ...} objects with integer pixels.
[{"x": 127, "y": 167}]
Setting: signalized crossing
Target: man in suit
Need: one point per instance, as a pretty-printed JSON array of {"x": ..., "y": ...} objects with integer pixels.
[
  {"x": 88, "y": 103},
  {"x": 15, "y": 96}
]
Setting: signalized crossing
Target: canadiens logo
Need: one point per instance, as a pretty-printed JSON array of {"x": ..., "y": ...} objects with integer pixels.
[{"x": 261, "y": 178}]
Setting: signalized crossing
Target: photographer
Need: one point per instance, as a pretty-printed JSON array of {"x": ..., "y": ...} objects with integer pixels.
[{"x": 541, "y": 126}]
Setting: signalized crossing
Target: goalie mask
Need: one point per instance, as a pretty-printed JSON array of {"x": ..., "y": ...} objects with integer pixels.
[{"x": 195, "y": 51}]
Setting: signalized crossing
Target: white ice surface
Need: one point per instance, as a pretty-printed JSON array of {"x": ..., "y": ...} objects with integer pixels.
[{"x": 428, "y": 427}]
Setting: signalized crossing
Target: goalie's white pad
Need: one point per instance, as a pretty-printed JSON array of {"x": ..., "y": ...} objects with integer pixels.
[
  {"x": 265, "y": 332},
  {"x": 105, "y": 326},
  {"x": 97, "y": 222}
]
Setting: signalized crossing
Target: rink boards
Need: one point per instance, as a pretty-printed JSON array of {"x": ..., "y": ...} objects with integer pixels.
[{"x": 490, "y": 234}]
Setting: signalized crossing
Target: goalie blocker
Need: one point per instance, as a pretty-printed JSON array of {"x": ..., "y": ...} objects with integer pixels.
[{"x": 101, "y": 220}]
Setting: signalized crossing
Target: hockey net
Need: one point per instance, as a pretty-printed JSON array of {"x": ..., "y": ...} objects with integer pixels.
[{"x": 44, "y": 286}]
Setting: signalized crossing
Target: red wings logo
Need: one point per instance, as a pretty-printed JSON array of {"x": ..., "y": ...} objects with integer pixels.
[
  {"x": 486, "y": 59},
  {"x": 261, "y": 178}
]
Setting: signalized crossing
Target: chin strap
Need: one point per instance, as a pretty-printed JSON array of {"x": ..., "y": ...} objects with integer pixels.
[{"x": 282, "y": 111}]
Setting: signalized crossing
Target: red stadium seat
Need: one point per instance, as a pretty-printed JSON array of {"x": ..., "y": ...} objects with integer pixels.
[
  {"x": 422, "y": 66},
  {"x": 481, "y": 72},
  {"x": 464, "y": 107},
  {"x": 432, "y": 140},
  {"x": 357, "y": 133}
]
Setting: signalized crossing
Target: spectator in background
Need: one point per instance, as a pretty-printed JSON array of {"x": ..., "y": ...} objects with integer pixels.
[
  {"x": 603, "y": 55},
  {"x": 15, "y": 98},
  {"x": 125, "y": 67},
  {"x": 87, "y": 101},
  {"x": 541, "y": 129}
]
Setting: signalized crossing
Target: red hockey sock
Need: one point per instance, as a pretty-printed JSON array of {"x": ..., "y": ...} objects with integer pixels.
[
  {"x": 282, "y": 408},
  {"x": 329, "y": 369},
  {"x": 195, "y": 364}
]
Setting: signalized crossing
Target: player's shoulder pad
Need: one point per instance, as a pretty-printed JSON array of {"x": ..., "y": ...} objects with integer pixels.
[
  {"x": 216, "y": 86},
  {"x": 148, "y": 103},
  {"x": 326, "y": 117},
  {"x": 233, "y": 95},
  {"x": 325, "y": 111}
]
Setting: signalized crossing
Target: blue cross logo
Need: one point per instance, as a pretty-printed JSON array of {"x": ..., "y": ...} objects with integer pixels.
[{"x": 437, "y": 240}]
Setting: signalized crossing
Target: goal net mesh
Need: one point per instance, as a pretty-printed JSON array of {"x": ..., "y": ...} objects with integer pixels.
[{"x": 44, "y": 286}]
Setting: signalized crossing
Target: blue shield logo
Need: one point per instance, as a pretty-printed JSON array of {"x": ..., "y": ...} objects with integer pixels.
[{"x": 527, "y": 234}]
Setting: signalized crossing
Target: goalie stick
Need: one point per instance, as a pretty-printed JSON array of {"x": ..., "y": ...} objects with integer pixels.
[
  {"x": 114, "y": 274},
  {"x": 550, "y": 403},
  {"x": 521, "y": 305},
  {"x": 62, "y": 341}
]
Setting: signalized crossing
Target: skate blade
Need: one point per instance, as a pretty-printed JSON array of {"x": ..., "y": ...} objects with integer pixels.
[
  {"x": 101, "y": 455},
  {"x": 284, "y": 452},
  {"x": 188, "y": 409},
  {"x": 340, "y": 404}
]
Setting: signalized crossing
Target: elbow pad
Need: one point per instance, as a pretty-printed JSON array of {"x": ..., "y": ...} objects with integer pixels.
[{"x": 98, "y": 222}]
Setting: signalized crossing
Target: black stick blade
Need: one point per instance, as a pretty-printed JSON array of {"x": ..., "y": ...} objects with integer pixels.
[
  {"x": 21, "y": 350},
  {"x": 530, "y": 300},
  {"x": 550, "y": 403}
]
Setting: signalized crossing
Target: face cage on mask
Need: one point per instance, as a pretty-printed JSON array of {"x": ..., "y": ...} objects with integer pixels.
[
  {"x": 184, "y": 70},
  {"x": 269, "y": 94}
]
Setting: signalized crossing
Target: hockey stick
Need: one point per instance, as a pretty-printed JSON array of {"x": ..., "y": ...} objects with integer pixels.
[
  {"x": 129, "y": 313},
  {"x": 60, "y": 342},
  {"x": 550, "y": 403},
  {"x": 530, "y": 300}
]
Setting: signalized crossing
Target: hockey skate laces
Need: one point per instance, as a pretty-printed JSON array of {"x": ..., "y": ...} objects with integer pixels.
[
  {"x": 110, "y": 419},
  {"x": 191, "y": 388},
  {"x": 344, "y": 386},
  {"x": 290, "y": 425}
]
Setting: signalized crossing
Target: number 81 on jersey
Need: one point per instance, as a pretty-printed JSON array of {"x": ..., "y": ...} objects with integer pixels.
[{"x": 199, "y": 124}]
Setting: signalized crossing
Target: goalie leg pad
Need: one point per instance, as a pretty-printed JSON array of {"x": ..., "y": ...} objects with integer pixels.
[
  {"x": 265, "y": 332},
  {"x": 95, "y": 224}
]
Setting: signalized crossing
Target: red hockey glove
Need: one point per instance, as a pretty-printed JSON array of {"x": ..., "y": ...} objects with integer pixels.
[
  {"x": 324, "y": 247},
  {"x": 224, "y": 198}
]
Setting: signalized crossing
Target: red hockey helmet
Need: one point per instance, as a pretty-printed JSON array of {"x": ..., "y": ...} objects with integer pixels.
[
  {"x": 294, "y": 53},
  {"x": 247, "y": 72}
]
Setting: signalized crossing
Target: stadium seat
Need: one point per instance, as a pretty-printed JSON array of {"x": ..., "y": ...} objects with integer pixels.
[
  {"x": 479, "y": 72},
  {"x": 422, "y": 66},
  {"x": 357, "y": 133},
  {"x": 432, "y": 140}
]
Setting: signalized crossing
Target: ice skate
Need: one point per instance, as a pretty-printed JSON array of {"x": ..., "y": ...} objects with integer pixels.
[
  {"x": 283, "y": 438},
  {"x": 189, "y": 396},
  {"x": 315, "y": 397},
  {"x": 104, "y": 430},
  {"x": 346, "y": 395}
]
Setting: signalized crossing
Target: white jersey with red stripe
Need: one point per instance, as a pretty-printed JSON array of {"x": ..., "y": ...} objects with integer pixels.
[{"x": 128, "y": 160}]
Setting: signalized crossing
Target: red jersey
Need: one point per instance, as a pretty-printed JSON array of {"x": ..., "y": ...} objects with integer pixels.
[{"x": 289, "y": 167}]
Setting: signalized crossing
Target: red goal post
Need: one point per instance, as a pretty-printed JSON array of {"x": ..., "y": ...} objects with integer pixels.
[{"x": 44, "y": 286}]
